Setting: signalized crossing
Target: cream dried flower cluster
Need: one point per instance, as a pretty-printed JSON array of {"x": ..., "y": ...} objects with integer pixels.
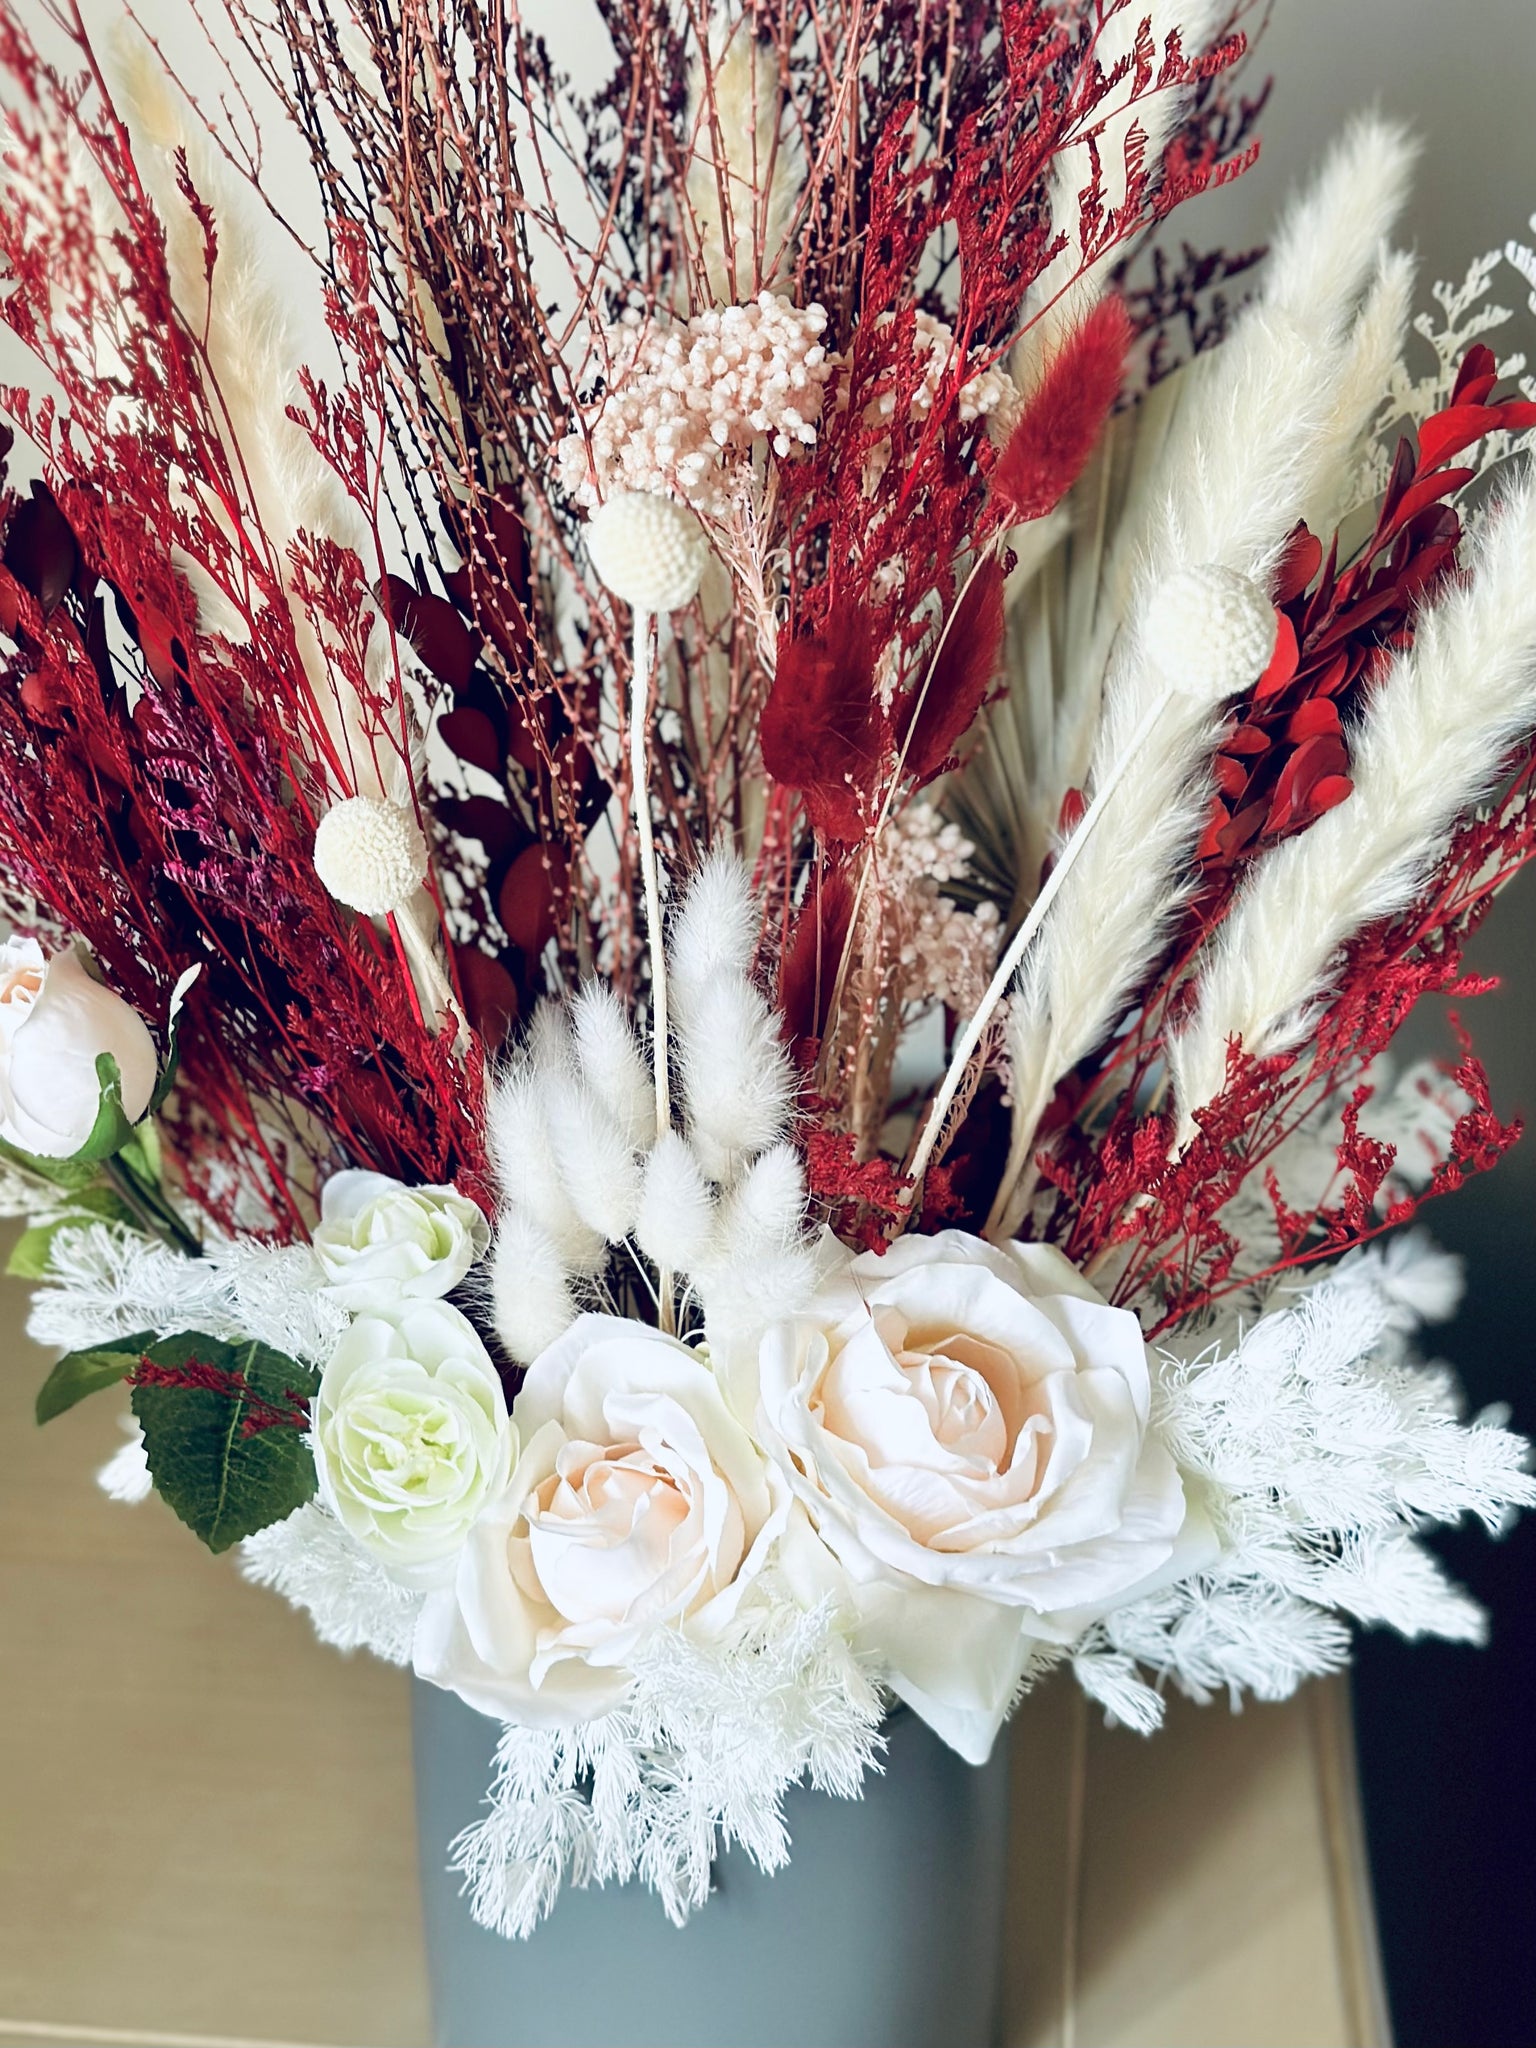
[
  {"x": 945, "y": 953},
  {"x": 683, "y": 403}
]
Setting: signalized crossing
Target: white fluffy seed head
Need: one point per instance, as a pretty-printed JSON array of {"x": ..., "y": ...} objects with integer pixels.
[
  {"x": 370, "y": 854},
  {"x": 738, "y": 1085},
  {"x": 675, "y": 1227},
  {"x": 1209, "y": 632},
  {"x": 530, "y": 1295},
  {"x": 611, "y": 1063},
  {"x": 648, "y": 550}
]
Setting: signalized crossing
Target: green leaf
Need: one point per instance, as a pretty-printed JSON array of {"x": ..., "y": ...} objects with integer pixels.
[
  {"x": 173, "y": 1027},
  {"x": 111, "y": 1130},
  {"x": 32, "y": 1251},
  {"x": 79, "y": 1373},
  {"x": 225, "y": 1444},
  {"x": 60, "y": 1173}
]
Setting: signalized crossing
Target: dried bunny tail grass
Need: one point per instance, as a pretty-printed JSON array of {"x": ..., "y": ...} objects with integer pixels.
[
  {"x": 675, "y": 1223},
  {"x": 738, "y": 1086},
  {"x": 531, "y": 1300},
  {"x": 527, "y": 1167},
  {"x": 596, "y": 1161},
  {"x": 1059, "y": 297},
  {"x": 765, "y": 1211},
  {"x": 612, "y": 1065},
  {"x": 745, "y": 174},
  {"x": 1429, "y": 747},
  {"x": 714, "y": 934}
]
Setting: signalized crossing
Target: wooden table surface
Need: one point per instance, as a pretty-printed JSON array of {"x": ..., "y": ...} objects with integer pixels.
[{"x": 206, "y": 1826}]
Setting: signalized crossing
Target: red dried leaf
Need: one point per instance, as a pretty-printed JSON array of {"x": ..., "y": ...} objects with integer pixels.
[
  {"x": 960, "y": 676},
  {"x": 529, "y": 899},
  {"x": 809, "y": 967},
  {"x": 472, "y": 737},
  {"x": 822, "y": 732}
]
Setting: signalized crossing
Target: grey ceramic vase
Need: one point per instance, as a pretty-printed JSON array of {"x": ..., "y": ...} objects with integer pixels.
[{"x": 885, "y": 1931}]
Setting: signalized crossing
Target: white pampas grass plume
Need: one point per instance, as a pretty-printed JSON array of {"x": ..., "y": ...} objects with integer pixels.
[
  {"x": 597, "y": 1163},
  {"x": 738, "y": 1086},
  {"x": 611, "y": 1064},
  {"x": 1428, "y": 747},
  {"x": 527, "y": 1168},
  {"x": 745, "y": 174},
  {"x": 531, "y": 1303},
  {"x": 675, "y": 1226},
  {"x": 1365, "y": 371},
  {"x": 1330, "y": 235},
  {"x": 714, "y": 934}
]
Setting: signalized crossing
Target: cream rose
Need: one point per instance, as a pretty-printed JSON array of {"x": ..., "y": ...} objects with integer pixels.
[
  {"x": 385, "y": 1244},
  {"x": 54, "y": 1023},
  {"x": 639, "y": 1503},
  {"x": 967, "y": 1426},
  {"x": 412, "y": 1437}
]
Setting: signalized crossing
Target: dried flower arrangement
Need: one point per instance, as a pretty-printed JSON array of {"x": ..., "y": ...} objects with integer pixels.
[{"x": 703, "y": 961}]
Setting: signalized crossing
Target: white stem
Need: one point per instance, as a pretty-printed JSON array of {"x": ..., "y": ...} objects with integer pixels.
[
  {"x": 1008, "y": 966},
  {"x": 640, "y": 795}
]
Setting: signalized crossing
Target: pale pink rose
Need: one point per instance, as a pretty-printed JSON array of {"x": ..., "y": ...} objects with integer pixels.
[
  {"x": 54, "y": 1021},
  {"x": 639, "y": 1502},
  {"x": 967, "y": 1426}
]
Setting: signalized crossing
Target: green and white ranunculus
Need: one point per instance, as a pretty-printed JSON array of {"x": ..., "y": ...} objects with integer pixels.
[
  {"x": 412, "y": 1437},
  {"x": 386, "y": 1245}
]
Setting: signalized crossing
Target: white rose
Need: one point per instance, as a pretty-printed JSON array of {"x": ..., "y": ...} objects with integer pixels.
[
  {"x": 54, "y": 1022},
  {"x": 384, "y": 1244},
  {"x": 412, "y": 1437},
  {"x": 967, "y": 1426},
  {"x": 639, "y": 1502}
]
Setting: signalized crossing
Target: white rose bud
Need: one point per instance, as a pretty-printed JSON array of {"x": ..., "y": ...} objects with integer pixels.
[
  {"x": 412, "y": 1437},
  {"x": 385, "y": 1245},
  {"x": 54, "y": 1022}
]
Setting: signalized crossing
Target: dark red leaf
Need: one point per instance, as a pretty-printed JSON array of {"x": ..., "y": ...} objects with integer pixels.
[
  {"x": 472, "y": 737},
  {"x": 1478, "y": 369},
  {"x": 1282, "y": 663},
  {"x": 1298, "y": 565},
  {"x": 961, "y": 674},
  {"x": 1446, "y": 433},
  {"x": 528, "y": 901},
  {"x": 808, "y": 969},
  {"x": 1049, "y": 448},
  {"x": 490, "y": 996},
  {"x": 498, "y": 829},
  {"x": 434, "y": 628},
  {"x": 40, "y": 549},
  {"x": 821, "y": 730}
]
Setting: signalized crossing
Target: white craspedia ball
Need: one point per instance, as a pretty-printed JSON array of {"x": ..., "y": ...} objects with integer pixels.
[
  {"x": 647, "y": 550},
  {"x": 370, "y": 854},
  {"x": 1209, "y": 631}
]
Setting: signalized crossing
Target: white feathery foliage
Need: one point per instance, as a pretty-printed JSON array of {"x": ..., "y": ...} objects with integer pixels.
[
  {"x": 352, "y": 1601},
  {"x": 1331, "y": 232},
  {"x": 696, "y": 1760},
  {"x": 1318, "y": 1447},
  {"x": 525, "y": 1162},
  {"x": 125, "y": 1476},
  {"x": 598, "y": 1165},
  {"x": 104, "y": 1282},
  {"x": 1365, "y": 371},
  {"x": 1066, "y": 291},
  {"x": 1428, "y": 746},
  {"x": 739, "y": 149}
]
